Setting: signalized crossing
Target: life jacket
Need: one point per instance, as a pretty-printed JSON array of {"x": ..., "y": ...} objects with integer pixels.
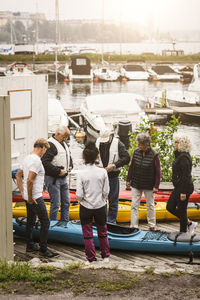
[
  {"x": 63, "y": 156},
  {"x": 144, "y": 169},
  {"x": 113, "y": 152}
]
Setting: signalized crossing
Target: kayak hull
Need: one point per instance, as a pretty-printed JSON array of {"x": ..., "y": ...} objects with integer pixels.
[{"x": 138, "y": 240}]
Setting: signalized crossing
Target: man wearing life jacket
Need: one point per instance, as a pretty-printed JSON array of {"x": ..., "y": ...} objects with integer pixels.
[
  {"x": 57, "y": 163},
  {"x": 112, "y": 156}
]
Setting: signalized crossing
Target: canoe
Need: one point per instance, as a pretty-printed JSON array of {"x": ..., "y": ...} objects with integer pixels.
[
  {"x": 161, "y": 196},
  {"x": 124, "y": 211},
  {"x": 122, "y": 238}
]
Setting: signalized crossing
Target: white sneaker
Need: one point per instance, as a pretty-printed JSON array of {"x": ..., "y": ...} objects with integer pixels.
[
  {"x": 88, "y": 263},
  {"x": 106, "y": 260},
  {"x": 192, "y": 227}
]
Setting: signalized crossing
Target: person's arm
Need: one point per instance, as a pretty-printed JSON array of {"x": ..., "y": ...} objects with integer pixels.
[
  {"x": 124, "y": 158},
  {"x": 157, "y": 173},
  {"x": 185, "y": 177},
  {"x": 130, "y": 172},
  {"x": 79, "y": 188},
  {"x": 30, "y": 180},
  {"x": 47, "y": 158},
  {"x": 106, "y": 186},
  {"x": 19, "y": 178}
]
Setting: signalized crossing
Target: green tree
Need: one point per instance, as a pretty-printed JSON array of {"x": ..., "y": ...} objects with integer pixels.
[{"x": 162, "y": 142}]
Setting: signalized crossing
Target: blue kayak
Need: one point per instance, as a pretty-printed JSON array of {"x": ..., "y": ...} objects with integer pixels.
[{"x": 119, "y": 237}]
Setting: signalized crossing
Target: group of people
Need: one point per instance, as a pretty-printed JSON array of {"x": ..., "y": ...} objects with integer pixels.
[{"x": 98, "y": 181}]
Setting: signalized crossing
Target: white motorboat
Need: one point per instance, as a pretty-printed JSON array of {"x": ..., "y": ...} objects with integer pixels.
[
  {"x": 134, "y": 72},
  {"x": 195, "y": 85},
  {"x": 177, "y": 98},
  {"x": 19, "y": 69},
  {"x": 163, "y": 73},
  {"x": 100, "y": 111},
  {"x": 106, "y": 74},
  {"x": 56, "y": 115}
]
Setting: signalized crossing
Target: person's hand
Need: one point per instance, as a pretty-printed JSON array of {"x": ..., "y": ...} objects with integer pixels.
[
  {"x": 109, "y": 168},
  {"x": 99, "y": 166},
  {"x": 31, "y": 201},
  {"x": 62, "y": 173},
  {"x": 128, "y": 184},
  {"x": 182, "y": 197},
  {"x": 155, "y": 190}
]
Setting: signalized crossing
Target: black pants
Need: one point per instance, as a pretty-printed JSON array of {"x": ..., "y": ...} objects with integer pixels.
[
  {"x": 39, "y": 210},
  {"x": 87, "y": 215},
  {"x": 179, "y": 208}
]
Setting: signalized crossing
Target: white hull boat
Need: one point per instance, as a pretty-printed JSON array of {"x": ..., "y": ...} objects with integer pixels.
[
  {"x": 177, "y": 98},
  {"x": 106, "y": 74},
  {"x": 56, "y": 115},
  {"x": 100, "y": 111},
  {"x": 134, "y": 72},
  {"x": 163, "y": 73}
]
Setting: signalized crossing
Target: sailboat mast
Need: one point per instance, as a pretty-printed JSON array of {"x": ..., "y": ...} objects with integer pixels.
[
  {"x": 102, "y": 33},
  {"x": 56, "y": 54}
]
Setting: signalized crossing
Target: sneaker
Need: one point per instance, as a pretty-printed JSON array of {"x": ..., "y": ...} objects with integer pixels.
[
  {"x": 152, "y": 228},
  {"x": 48, "y": 253},
  {"x": 106, "y": 259},
  {"x": 32, "y": 248},
  {"x": 191, "y": 227},
  {"x": 90, "y": 262}
]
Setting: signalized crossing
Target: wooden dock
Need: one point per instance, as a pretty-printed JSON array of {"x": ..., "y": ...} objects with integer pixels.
[
  {"x": 177, "y": 110},
  {"x": 123, "y": 260}
]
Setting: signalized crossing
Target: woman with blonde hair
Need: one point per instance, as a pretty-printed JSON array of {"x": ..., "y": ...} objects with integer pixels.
[{"x": 183, "y": 184}]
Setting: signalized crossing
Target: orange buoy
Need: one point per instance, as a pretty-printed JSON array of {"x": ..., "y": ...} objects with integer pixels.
[
  {"x": 124, "y": 79},
  {"x": 155, "y": 79},
  {"x": 66, "y": 80},
  {"x": 95, "y": 79},
  {"x": 182, "y": 79}
]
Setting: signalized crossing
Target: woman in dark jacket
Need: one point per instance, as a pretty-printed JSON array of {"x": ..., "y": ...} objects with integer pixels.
[{"x": 183, "y": 184}]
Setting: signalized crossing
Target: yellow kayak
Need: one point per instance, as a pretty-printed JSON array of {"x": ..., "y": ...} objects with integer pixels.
[{"x": 124, "y": 211}]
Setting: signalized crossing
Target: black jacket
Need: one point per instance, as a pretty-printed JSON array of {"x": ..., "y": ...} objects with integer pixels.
[
  {"x": 50, "y": 169},
  {"x": 181, "y": 172},
  {"x": 143, "y": 175},
  {"x": 124, "y": 157}
]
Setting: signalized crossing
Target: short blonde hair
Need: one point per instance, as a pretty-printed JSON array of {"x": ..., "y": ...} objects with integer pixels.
[
  {"x": 41, "y": 143},
  {"x": 184, "y": 143}
]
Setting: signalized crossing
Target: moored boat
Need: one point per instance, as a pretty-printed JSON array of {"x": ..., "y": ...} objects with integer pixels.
[{"x": 119, "y": 237}]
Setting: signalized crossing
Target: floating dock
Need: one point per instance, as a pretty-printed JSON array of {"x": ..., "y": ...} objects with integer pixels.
[{"x": 193, "y": 111}]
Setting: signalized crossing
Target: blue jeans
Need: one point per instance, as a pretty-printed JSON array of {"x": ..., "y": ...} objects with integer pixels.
[
  {"x": 39, "y": 210},
  {"x": 59, "y": 195},
  {"x": 113, "y": 198}
]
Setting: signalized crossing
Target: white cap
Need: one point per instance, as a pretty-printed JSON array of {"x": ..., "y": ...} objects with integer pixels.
[{"x": 105, "y": 135}]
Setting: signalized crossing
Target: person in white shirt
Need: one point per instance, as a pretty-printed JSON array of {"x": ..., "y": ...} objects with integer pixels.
[
  {"x": 92, "y": 191},
  {"x": 30, "y": 180}
]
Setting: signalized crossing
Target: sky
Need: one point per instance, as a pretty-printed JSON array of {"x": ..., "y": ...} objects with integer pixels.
[{"x": 162, "y": 14}]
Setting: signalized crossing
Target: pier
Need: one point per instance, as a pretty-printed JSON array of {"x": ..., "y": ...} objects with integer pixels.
[{"x": 193, "y": 111}]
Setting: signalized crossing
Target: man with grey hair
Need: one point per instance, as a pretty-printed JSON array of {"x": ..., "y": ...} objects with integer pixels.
[
  {"x": 57, "y": 163},
  {"x": 144, "y": 176}
]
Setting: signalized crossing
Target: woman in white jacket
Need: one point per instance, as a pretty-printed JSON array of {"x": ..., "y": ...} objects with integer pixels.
[{"x": 92, "y": 191}]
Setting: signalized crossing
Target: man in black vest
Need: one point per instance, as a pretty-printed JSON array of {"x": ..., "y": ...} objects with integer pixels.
[{"x": 144, "y": 176}]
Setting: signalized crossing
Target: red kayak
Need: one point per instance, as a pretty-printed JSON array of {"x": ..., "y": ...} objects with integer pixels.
[
  {"x": 160, "y": 196},
  {"x": 16, "y": 196}
]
